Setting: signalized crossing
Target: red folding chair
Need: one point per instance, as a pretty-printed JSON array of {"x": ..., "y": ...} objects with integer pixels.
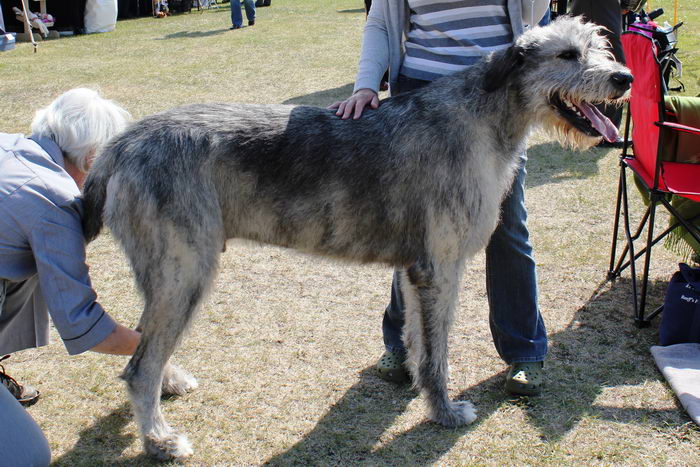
[{"x": 659, "y": 175}]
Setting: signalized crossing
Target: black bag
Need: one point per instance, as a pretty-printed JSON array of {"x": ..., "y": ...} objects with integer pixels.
[{"x": 680, "y": 322}]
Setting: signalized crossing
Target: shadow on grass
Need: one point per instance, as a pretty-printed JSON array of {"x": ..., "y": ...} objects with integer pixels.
[
  {"x": 103, "y": 443},
  {"x": 352, "y": 10},
  {"x": 193, "y": 34},
  {"x": 601, "y": 348},
  {"x": 550, "y": 163},
  {"x": 225, "y": 8},
  {"x": 322, "y": 98},
  {"x": 346, "y": 434}
]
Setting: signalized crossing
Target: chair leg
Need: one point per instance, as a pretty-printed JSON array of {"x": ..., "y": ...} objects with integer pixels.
[
  {"x": 630, "y": 243},
  {"x": 639, "y": 295},
  {"x": 613, "y": 272},
  {"x": 639, "y": 320},
  {"x": 631, "y": 238},
  {"x": 640, "y": 285}
]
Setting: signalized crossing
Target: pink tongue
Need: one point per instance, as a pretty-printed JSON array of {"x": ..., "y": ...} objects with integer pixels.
[{"x": 600, "y": 122}]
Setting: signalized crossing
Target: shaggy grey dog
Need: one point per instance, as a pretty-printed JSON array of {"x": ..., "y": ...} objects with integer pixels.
[{"x": 415, "y": 184}]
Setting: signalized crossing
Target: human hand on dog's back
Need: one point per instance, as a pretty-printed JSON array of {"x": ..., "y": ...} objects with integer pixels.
[{"x": 356, "y": 104}]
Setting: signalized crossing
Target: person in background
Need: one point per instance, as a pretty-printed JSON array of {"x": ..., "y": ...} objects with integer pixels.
[
  {"x": 42, "y": 253},
  {"x": 237, "y": 16},
  {"x": 419, "y": 41}
]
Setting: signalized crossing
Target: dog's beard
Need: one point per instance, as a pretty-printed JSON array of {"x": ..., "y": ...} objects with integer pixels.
[{"x": 567, "y": 135}]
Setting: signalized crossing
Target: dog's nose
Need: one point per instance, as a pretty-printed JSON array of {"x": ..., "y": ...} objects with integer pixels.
[{"x": 622, "y": 80}]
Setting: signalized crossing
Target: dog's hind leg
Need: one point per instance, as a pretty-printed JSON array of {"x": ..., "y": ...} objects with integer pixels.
[
  {"x": 174, "y": 266},
  {"x": 430, "y": 294}
]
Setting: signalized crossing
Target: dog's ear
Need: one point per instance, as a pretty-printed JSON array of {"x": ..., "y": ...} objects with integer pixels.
[{"x": 501, "y": 66}]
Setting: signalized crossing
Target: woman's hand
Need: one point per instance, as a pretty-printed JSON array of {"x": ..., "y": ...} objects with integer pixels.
[
  {"x": 355, "y": 104},
  {"x": 122, "y": 341}
]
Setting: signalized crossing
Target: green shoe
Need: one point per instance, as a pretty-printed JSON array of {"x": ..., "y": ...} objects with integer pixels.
[
  {"x": 391, "y": 367},
  {"x": 525, "y": 378}
]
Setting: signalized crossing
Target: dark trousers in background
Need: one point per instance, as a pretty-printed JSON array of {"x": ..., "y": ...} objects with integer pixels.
[{"x": 605, "y": 13}]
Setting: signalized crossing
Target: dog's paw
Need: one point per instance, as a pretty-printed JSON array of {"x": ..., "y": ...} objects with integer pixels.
[
  {"x": 454, "y": 414},
  {"x": 172, "y": 446},
  {"x": 177, "y": 382}
]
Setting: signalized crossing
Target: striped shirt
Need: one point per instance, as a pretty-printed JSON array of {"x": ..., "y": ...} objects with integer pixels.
[{"x": 449, "y": 35}]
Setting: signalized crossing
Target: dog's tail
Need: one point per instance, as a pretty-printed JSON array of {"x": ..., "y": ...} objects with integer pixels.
[{"x": 95, "y": 196}]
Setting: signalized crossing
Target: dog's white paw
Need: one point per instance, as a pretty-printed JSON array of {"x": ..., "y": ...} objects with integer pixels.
[
  {"x": 454, "y": 414},
  {"x": 172, "y": 446},
  {"x": 177, "y": 382}
]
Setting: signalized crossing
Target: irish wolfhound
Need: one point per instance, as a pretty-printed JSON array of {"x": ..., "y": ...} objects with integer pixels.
[{"x": 415, "y": 184}]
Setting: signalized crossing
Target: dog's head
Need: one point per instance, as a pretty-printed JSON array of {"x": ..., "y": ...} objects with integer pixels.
[{"x": 561, "y": 72}]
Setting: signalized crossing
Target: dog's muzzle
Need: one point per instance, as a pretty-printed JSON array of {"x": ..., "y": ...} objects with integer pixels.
[{"x": 585, "y": 118}]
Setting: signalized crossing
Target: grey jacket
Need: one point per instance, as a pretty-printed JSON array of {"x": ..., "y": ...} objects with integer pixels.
[{"x": 387, "y": 24}]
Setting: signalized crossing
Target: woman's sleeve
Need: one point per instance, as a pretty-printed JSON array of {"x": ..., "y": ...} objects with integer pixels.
[
  {"x": 58, "y": 246},
  {"x": 374, "y": 55}
]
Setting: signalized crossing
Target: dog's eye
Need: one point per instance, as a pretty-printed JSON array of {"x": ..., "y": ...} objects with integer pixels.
[{"x": 569, "y": 55}]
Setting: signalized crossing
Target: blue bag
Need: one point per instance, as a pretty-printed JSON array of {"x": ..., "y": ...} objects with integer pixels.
[{"x": 680, "y": 321}]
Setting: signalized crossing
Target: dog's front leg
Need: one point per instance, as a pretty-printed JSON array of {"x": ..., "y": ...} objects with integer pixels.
[{"x": 430, "y": 294}]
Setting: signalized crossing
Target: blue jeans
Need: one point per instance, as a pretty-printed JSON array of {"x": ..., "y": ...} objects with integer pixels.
[
  {"x": 237, "y": 16},
  {"x": 511, "y": 284},
  {"x": 21, "y": 440}
]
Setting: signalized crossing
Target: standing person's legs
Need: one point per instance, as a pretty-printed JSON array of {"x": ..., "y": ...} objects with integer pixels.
[
  {"x": 249, "y": 11},
  {"x": 605, "y": 13},
  {"x": 236, "y": 14},
  {"x": 517, "y": 327},
  {"x": 394, "y": 318},
  {"x": 390, "y": 365},
  {"x": 511, "y": 283},
  {"x": 21, "y": 440}
]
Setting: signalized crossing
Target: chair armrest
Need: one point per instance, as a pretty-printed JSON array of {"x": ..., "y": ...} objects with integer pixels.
[{"x": 679, "y": 127}]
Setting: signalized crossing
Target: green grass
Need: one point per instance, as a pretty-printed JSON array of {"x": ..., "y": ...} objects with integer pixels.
[{"x": 285, "y": 345}]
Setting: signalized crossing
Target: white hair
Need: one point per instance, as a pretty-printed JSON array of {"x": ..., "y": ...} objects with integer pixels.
[{"x": 80, "y": 121}]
